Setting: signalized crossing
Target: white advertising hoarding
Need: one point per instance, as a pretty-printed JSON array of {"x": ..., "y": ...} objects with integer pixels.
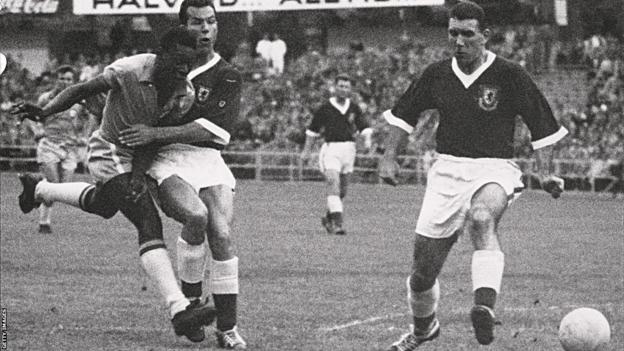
[{"x": 142, "y": 7}]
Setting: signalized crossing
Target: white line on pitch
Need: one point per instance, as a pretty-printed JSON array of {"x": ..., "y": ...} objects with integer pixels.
[{"x": 357, "y": 322}]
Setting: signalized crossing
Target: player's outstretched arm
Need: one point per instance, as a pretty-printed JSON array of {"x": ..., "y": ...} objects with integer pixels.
[
  {"x": 545, "y": 170},
  {"x": 388, "y": 167},
  {"x": 64, "y": 100}
]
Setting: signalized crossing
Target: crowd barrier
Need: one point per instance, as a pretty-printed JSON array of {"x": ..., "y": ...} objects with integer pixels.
[{"x": 288, "y": 166}]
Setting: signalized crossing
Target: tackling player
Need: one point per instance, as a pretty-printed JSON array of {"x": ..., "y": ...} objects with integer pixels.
[
  {"x": 141, "y": 89},
  {"x": 196, "y": 187},
  {"x": 58, "y": 138},
  {"x": 339, "y": 120},
  {"x": 473, "y": 180}
]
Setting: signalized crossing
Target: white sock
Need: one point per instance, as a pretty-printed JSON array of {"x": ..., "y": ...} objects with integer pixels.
[
  {"x": 191, "y": 261},
  {"x": 44, "y": 214},
  {"x": 334, "y": 204},
  {"x": 423, "y": 303},
  {"x": 67, "y": 193},
  {"x": 487, "y": 269},
  {"x": 157, "y": 265}
]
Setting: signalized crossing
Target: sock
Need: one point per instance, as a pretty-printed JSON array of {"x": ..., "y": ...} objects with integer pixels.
[
  {"x": 487, "y": 275},
  {"x": 191, "y": 267},
  {"x": 67, "y": 193},
  {"x": 44, "y": 214},
  {"x": 157, "y": 265},
  {"x": 224, "y": 286},
  {"x": 334, "y": 207},
  {"x": 423, "y": 304}
]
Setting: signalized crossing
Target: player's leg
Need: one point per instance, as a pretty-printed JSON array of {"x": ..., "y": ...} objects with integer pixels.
[
  {"x": 187, "y": 318},
  {"x": 224, "y": 266},
  {"x": 334, "y": 202},
  {"x": 180, "y": 201},
  {"x": 487, "y": 207},
  {"x": 50, "y": 171},
  {"x": 423, "y": 290}
]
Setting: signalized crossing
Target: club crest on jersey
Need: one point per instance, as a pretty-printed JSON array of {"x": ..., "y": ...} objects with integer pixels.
[
  {"x": 488, "y": 97},
  {"x": 202, "y": 94}
]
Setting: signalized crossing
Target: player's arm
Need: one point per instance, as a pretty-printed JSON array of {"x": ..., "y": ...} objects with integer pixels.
[
  {"x": 312, "y": 132},
  {"x": 365, "y": 130},
  {"x": 211, "y": 123},
  {"x": 545, "y": 130},
  {"x": 388, "y": 167}
]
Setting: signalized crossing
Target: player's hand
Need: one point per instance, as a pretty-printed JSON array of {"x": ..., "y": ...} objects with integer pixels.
[
  {"x": 553, "y": 185},
  {"x": 388, "y": 170},
  {"x": 26, "y": 110},
  {"x": 305, "y": 156},
  {"x": 138, "y": 135}
]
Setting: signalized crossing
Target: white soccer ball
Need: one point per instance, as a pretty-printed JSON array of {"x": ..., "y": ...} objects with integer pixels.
[{"x": 584, "y": 329}]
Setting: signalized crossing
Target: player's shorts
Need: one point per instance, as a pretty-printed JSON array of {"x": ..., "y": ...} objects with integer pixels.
[
  {"x": 49, "y": 151},
  {"x": 105, "y": 159},
  {"x": 451, "y": 183},
  {"x": 201, "y": 167},
  {"x": 337, "y": 156}
]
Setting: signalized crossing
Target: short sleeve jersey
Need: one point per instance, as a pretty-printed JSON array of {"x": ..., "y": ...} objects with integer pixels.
[
  {"x": 218, "y": 87},
  {"x": 477, "y": 111},
  {"x": 133, "y": 99},
  {"x": 338, "y": 122},
  {"x": 62, "y": 127}
]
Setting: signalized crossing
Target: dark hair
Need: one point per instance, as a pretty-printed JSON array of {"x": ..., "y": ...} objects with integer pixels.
[
  {"x": 67, "y": 68},
  {"x": 177, "y": 36},
  {"x": 469, "y": 10},
  {"x": 183, "y": 15},
  {"x": 343, "y": 76}
]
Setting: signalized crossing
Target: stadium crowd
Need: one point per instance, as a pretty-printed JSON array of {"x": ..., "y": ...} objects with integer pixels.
[{"x": 278, "y": 108}]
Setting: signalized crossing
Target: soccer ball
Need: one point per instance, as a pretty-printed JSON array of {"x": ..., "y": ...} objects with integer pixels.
[{"x": 584, "y": 329}]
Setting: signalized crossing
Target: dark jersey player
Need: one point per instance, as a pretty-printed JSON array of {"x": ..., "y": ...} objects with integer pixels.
[
  {"x": 339, "y": 121},
  {"x": 195, "y": 185},
  {"x": 473, "y": 180}
]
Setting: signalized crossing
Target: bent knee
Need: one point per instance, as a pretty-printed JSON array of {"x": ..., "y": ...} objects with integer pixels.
[{"x": 480, "y": 216}]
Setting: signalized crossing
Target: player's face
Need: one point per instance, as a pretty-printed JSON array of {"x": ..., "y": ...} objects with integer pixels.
[
  {"x": 203, "y": 20},
  {"x": 467, "y": 40},
  {"x": 64, "y": 80},
  {"x": 343, "y": 89},
  {"x": 176, "y": 65}
]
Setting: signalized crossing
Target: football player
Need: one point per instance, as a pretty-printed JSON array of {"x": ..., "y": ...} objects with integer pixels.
[{"x": 473, "y": 181}]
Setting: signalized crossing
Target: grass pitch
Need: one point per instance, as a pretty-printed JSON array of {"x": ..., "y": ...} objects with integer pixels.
[{"x": 81, "y": 287}]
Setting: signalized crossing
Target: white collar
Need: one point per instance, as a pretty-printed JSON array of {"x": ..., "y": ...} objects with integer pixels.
[
  {"x": 468, "y": 79},
  {"x": 342, "y": 108},
  {"x": 203, "y": 68}
]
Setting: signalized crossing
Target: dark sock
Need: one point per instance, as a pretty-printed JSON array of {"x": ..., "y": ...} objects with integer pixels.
[
  {"x": 226, "y": 311},
  {"x": 192, "y": 290},
  {"x": 336, "y": 217},
  {"x": 485, "y": 297},
  {"x": 423, "y": 323}
]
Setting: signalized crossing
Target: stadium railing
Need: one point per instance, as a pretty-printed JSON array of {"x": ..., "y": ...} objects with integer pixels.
[{"x": 288, "y": 166}]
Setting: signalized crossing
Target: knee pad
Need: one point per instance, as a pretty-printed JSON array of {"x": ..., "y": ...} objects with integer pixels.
[{"x": 224, "y": 277}]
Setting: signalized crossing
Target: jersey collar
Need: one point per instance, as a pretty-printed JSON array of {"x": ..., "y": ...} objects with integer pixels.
[
  {"x": 203, "y": 68},
  {"x": 342, "y": 108},
  {"x": 468, "y": 79}
]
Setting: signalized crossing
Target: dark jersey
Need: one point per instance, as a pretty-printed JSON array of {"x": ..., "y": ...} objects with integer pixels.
[
  {"x": 337, "y": 123},
  {"x": 217, "y": 101},
  {"x": 477, "y": 112}
]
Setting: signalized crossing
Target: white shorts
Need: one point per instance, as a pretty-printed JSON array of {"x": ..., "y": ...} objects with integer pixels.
[
  {"x": 201, "y": 167},
  {"x": 337, "y": 156},
  {"x": 451, "y": 183},
  {"x": 105, "y": 159},
  {"x": 51, "y": 152}
]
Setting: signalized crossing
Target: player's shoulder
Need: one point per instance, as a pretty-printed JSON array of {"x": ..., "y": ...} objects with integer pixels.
[
  {"x": 228, "y": 72},
  {"x": 139, "y": 64},
  {"x": 505, "y": 67}
]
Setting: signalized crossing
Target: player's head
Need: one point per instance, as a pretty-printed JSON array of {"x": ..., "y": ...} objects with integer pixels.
[
  {"x": 66, "y": 75},
  {"x": 200, "y": 16},
  {"x": 343, "y": 85},
  {"x": 176, "y": 54},
  {"x": 467, "y": 31}
]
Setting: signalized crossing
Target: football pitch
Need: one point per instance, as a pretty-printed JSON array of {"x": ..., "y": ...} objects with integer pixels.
[{"x": 81, "y": 287}]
